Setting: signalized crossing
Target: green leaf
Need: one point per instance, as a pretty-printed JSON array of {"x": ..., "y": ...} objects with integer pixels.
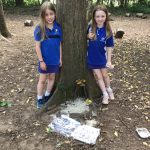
[
  {"x": 88, "y": 101},
  {"x": 4, "y": 103},
  {"x": 49, "y": 130}
]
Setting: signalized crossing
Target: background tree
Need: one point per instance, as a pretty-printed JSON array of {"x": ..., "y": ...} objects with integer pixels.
[
  {"x": 3, "y": 28},
  {"x": 19, "y": 2}
]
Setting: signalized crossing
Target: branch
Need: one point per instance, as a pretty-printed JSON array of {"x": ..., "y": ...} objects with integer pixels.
[{"x": 5, "y": 39}]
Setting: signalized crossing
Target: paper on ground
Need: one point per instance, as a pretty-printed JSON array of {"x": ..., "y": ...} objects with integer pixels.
[
  {"x": 86, "y": 134},
  {"x": 143, "y": 132},
  {"x": 72, "y": 128},
  {"x": 64, "y": 125}
]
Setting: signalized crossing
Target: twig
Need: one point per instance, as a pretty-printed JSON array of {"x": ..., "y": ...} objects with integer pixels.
[
  {"x": 5, "y": 39},
  {"x": 124, "y": 123}
]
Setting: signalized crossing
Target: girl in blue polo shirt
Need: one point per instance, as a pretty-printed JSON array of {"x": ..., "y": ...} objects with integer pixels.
[
  {"x": 100, "y": 45},
  {"x": 48, "y": 37}
]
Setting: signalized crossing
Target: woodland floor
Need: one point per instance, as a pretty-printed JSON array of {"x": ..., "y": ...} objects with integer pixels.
[{"x": 130, "y": 81}]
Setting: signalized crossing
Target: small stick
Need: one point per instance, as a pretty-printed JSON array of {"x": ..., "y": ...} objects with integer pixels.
[{"x": 3, "y": 38}]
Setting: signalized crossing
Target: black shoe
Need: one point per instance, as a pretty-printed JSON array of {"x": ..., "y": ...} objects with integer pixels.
[
  {"x": 39, "y": 103},
  {"x": 46, "y": 98}
]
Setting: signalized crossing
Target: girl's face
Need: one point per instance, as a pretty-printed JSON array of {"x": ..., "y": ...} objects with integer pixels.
[
  {"x": 49, "y": 16},
  {"x": 100, "y": 17}
]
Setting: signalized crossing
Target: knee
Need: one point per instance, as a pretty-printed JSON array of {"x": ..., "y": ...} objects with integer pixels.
[
  {"x": 42, "y": 82},
  {"x": 97, "y": 77},
  {"x": 51, "y": 77},
  {"x": 105, "y": 75}
]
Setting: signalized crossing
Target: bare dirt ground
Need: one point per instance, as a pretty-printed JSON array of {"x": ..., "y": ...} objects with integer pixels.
[{"x": 130, "y": 81}]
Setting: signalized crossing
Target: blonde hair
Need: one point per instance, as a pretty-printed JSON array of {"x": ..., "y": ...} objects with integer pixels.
[
  {"x": 46, "y": 5},
  {"x": 107, "y": 25}
]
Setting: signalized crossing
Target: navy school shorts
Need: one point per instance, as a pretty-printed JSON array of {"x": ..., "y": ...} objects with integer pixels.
[
  {"x": 96, "y": 66},
  {"x": 49, "y": 69}
]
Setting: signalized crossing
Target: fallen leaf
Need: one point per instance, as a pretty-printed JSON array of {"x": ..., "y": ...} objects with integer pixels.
[
  {"x": 48, "y": 130},
  {"x": 67, "y": 142},
  {"x": 88, "y": 101},
  {"x": 116, "y": 133}
]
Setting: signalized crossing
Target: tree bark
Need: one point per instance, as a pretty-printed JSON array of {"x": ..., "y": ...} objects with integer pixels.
[
  {"x": 141, "y": 1},
  {"x": 126, "y": 3},
  {"x": 19, "y": 2},
  {"x": 98, "y": 2},
  {"x": 3, "y": 28},
  {"x": 121, "y": 3}
]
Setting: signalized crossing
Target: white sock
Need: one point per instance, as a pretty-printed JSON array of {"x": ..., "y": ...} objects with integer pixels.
[
  {"x": 105, "y": 93},
  {"x": 39, "y": 97},
  {"x": 109, "y": 89},
  {"x": 47, "y": 93}
]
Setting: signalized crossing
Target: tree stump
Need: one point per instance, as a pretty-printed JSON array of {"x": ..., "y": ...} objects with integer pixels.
[
  {"x": 127, "y": 15},
  {"x": 139, "y": 15},
  {"x": 28, "y": 23},
  {"x": 144, "y": 17},
  {"x": 119, "y": 34}
]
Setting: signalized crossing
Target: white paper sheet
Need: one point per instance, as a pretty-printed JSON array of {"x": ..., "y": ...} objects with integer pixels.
[
  {"x": 64, "y": 125},
  {"x": 86, "y": 134},
  {"x": 72, "y": 128}
]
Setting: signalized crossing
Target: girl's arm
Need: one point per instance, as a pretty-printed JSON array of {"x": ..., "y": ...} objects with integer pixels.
[
  {"x": 90, "y": 35},
  {"x": 39, "y": 55},
  {"x": 60, "y": 54},
  {"x": 109, "y": 54},
  {"x": 109, "y": 49},
  {"x": 38, "y": 51}
]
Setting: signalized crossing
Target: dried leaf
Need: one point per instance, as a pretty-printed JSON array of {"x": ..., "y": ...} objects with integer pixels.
[{"x": 116, "y": 133}]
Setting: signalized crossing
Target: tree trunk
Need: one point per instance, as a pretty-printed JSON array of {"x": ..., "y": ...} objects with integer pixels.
[
  {"x": 19, "y": 2},
  {"x": 72, "y": 17},
  {"x": 141, "y": 1},
  {"x": 111, "y": 3},
  {"x": 126, "y": 3},
  {"x": 121, "y": 3},
  {"x": 98, "y": 2},
  {"x": 3, "y": 28}
]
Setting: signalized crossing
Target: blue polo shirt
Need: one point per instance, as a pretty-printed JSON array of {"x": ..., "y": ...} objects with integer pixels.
[
  {"x": 50, "y": 46},
  {"x": 96, "y": 50}
]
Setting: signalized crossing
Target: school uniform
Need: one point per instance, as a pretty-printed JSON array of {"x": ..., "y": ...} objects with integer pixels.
[
  {"x": 96, "y": 49},
  {"x": 50, "y": 47}
]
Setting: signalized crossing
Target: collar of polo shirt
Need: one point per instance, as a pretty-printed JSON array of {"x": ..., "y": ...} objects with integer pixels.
[{"x": 54, "y": 26}]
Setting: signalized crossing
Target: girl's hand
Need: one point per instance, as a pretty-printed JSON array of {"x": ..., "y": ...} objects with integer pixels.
[
  {"x": 91, "y": 35},
  {"x": 60, "y": 63},
  {"x": 43, "y": 65},
  {"x": 109, "y": 65}
]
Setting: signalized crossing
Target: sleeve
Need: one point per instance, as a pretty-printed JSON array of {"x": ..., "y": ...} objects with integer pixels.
[
  {"x": 37, "y": 34},
  {"x": 89, "y": 28},
  {"x": 110, "y": 42},
  {"x": 61, "y": 34}
]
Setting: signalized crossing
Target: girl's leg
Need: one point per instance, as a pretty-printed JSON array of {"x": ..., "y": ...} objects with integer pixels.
[
  {"x": 40, "y": 88},
  {"x": 105, "y": 77},
  {"x": 50, "y": 83},
  {"x": 99, "y": 79},
  {"x": 107, "y": 83},
  {"x": 41, "y": 83}
]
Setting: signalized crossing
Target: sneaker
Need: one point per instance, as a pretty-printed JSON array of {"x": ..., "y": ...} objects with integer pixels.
[
  {"x": 46, "y": 98},
  {"x": 105, "y": 100},
  {"x": 111, "y": 95},
  {"x": 39, "y": 103}
]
